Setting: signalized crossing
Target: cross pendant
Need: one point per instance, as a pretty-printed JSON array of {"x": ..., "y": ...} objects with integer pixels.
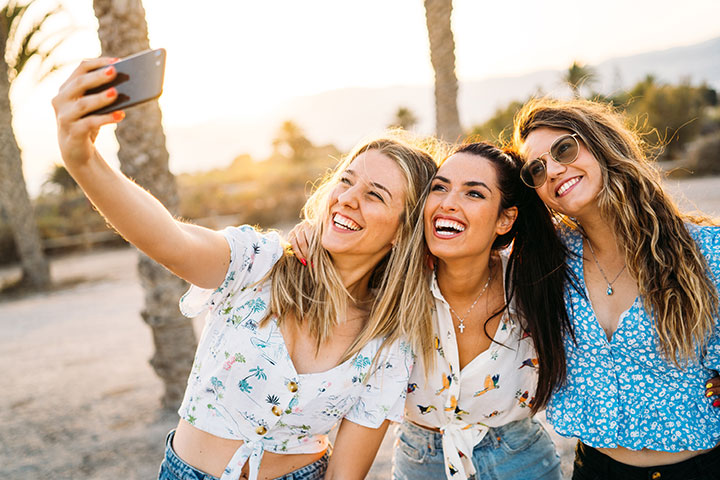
[{"x": 461, "y": 327}]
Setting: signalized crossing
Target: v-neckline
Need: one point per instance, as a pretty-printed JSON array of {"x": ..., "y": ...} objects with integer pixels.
[{"x": 595, "y": 321}]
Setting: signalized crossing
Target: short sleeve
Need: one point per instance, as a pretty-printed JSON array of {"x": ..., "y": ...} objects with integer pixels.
[
  {"x": 252, "y": 255},
  {"x": 384, "y": 395}
]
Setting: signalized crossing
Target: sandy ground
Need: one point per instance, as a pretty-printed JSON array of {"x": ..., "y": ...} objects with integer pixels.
[{"x": 80, "y": 400}]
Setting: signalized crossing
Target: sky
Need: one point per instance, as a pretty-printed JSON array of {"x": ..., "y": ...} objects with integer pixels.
[{"x": 237, "y": 59}]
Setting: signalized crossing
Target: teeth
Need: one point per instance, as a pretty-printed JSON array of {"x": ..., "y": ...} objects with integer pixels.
[
  {"x": 564, "y": 187},
  {"x": 346, "y": 223},
  {"x": 444, "y": 226}
]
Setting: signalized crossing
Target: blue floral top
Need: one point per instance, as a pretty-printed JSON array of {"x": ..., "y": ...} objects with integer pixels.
[
  {"x": 243, "y": 384},
  {"x": 623, "y": 392}
]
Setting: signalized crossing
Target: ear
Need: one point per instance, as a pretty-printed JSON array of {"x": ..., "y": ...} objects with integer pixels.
[{"x": 505, "y": 220}]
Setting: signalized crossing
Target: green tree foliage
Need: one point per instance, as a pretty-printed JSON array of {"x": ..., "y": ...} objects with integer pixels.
[
  {"x": 404, "y": 118},
  {"x": 498, "y": 128},
  {"x": 676, "y": 113},
  {"x": 578, "y": 76},
  {"x": 290, "y": 141}
]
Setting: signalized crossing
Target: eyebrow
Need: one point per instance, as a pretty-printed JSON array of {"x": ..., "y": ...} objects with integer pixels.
[
  {"x": 471, "y": 183},
  {"x": 374, "y": 184}
]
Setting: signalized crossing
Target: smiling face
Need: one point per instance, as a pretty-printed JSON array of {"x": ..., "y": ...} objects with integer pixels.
[
  {"x": 462, "y": 215},
  {"x": 365, "y": 207},
  {"x": 569, "y": 189}
]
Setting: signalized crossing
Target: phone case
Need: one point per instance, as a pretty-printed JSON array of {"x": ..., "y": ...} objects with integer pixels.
[{"x": 139, "y": 79}]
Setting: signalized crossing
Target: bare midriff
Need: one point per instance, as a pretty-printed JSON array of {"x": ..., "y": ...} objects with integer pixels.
[
  {"x": 211, "y": 454},
  {"x": 649, "y": 458}
]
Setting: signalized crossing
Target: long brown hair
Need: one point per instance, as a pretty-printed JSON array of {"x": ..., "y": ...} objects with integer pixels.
[
  {"x": 317, "y": 295},
  {"x": 662, "y": 257}
]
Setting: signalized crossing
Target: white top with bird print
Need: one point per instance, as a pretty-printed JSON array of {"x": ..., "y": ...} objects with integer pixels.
[
  {"x": 243, "y": 384},
  {"x": 497, "y": 387}
]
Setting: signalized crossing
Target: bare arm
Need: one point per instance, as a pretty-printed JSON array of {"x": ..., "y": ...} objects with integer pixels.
[
  {"x": 355, "y": 450},
  {"x": 197, "y": 254}
]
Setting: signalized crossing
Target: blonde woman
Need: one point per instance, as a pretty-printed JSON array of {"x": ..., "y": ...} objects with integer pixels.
[
  {"x": 287, "y": 352},
  {"x": 643, "y": 302}
]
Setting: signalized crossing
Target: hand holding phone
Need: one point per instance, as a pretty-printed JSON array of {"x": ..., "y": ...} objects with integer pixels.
[{"x": 139, "y": 79}]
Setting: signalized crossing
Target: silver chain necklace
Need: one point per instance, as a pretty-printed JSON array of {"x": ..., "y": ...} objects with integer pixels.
[
  {"x": 461, "y": 327},
  {"x": 609, "y": 290}
]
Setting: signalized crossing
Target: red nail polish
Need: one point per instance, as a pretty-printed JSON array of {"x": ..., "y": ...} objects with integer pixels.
[
  {"x": 111, "y": 92},
  {"x": 312, "y": 265},
  {"x": 114, "y": 60},
  {"x": 716, "y": 403},
  {"x": 109, "y": 71},
  {"x": 119, "y": 115},
  {"x": 303, "y": 261}
]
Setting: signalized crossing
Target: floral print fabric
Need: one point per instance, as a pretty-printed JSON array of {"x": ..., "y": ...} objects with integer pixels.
[
  {"x": 497, "y": 387},
  {"x": 243, "y": 384},
  {"x": 623, "y": 392}
]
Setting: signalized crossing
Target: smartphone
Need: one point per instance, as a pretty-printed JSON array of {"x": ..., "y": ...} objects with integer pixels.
[{"x": 139, "y": 79}]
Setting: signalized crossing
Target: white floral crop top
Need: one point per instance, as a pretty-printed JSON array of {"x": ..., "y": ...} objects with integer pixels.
[{"x": 243, "y": 384}]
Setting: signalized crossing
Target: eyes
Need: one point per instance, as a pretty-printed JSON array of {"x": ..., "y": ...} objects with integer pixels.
[
  {"x": 372, "y": 193},
  {"x": 443, "y": 188}
]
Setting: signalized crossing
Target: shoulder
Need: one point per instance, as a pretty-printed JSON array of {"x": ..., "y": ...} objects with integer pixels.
[
  {"x": 707, "y": 237},
  {"x": 569, "y": 236}
]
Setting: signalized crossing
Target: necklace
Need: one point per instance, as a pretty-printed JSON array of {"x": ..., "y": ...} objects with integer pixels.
[
  {"x": 609, "y": 290},
  {"x": 461, "y": 327}
]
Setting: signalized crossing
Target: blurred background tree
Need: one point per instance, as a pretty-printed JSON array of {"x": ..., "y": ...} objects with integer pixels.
[
  {"x": 404, "y": 118},
  {"x": 25, "y": 39},
  {"x": 144, "y": 158},
  {"x": 438, "y": 14},
  {"x": 578, "y": 76},
  {"x": 290, "y": 142}
]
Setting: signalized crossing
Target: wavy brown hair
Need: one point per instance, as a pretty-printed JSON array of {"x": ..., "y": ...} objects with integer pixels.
[
  {"x": 317, "y": 295},
  {"x": 670, "y": 271}
]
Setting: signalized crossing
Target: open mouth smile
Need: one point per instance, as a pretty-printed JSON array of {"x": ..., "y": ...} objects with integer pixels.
[
  {"x": 342, "y": 222},
  {"x": 447, "y": 228},
  {"x": 565, "y": 187}
]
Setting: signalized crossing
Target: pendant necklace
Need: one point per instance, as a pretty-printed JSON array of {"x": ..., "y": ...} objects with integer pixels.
[
  {"x": 461, "y": 326},
  {"x": 609, "y": 290}
]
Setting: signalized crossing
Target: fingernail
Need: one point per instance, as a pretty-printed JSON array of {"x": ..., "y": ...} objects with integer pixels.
[
  {"x": 709, "y": 385},
  {"x": 708, "y": 394},
  {"x": 312, "y": 265},
  {"x": 109, "y": 71},
  {"x": 119, "y": 115},
  {"x": 716, "y": 403},
  {"x": 303, "y": 261},
  {"x": 111, "y": 92}
]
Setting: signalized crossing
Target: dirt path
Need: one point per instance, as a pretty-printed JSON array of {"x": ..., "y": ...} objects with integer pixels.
[{"x": 80, "y": 400}]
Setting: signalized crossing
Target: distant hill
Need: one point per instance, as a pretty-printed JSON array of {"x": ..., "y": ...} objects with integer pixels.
[{"x": 345, "y": 116}]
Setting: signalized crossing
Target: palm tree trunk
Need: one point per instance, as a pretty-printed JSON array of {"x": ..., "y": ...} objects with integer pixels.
[
  {"x": 144, "y": 157},
  {"x": 442, "y": 57},
  {"x": 14, "y": 198}
]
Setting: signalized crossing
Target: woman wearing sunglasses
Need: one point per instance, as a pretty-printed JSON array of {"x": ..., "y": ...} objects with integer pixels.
[
  {"x": 643, "y": 299},
  {"x": 287, "y": 353}
]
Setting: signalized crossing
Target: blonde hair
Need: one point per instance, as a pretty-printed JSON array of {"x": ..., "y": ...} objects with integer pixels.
[
  {"x": 660, "y": 254},
  {"x": 317, "y": 295}
]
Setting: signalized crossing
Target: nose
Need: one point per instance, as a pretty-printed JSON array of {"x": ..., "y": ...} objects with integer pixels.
[
  {"x": 349, "y": 196},
  {"x": 553, "y": 168},
  {"x": 449, "y": 202}
]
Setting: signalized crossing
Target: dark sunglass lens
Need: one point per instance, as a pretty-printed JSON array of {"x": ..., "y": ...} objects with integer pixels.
[{"x": 565, "y": 150}]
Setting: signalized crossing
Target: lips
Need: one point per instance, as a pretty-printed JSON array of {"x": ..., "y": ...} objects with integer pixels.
[
  {"x": 342, "y": 222},
  {"x": 566, "y": 186},
  {"x": 445, "y": 227}
]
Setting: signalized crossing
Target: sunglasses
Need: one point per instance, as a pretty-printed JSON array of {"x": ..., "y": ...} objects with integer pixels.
[{"x": 564, "y": 151}]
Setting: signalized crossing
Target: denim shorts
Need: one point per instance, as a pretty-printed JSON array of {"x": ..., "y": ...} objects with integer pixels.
[
  {"x": 518, "y": 450},
  {"x": 592, "y": 464},
  {"x": 174, "y": 468}
]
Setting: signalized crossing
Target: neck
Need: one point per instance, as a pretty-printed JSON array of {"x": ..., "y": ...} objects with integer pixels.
[
  {"x": 355, "y": 272},
  {"x": 602, "y": 237},
  {"x": 463, "y": 278}
]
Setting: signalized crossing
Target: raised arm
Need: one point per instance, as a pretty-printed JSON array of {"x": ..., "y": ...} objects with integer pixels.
[{"x": 197, "y": 254}]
